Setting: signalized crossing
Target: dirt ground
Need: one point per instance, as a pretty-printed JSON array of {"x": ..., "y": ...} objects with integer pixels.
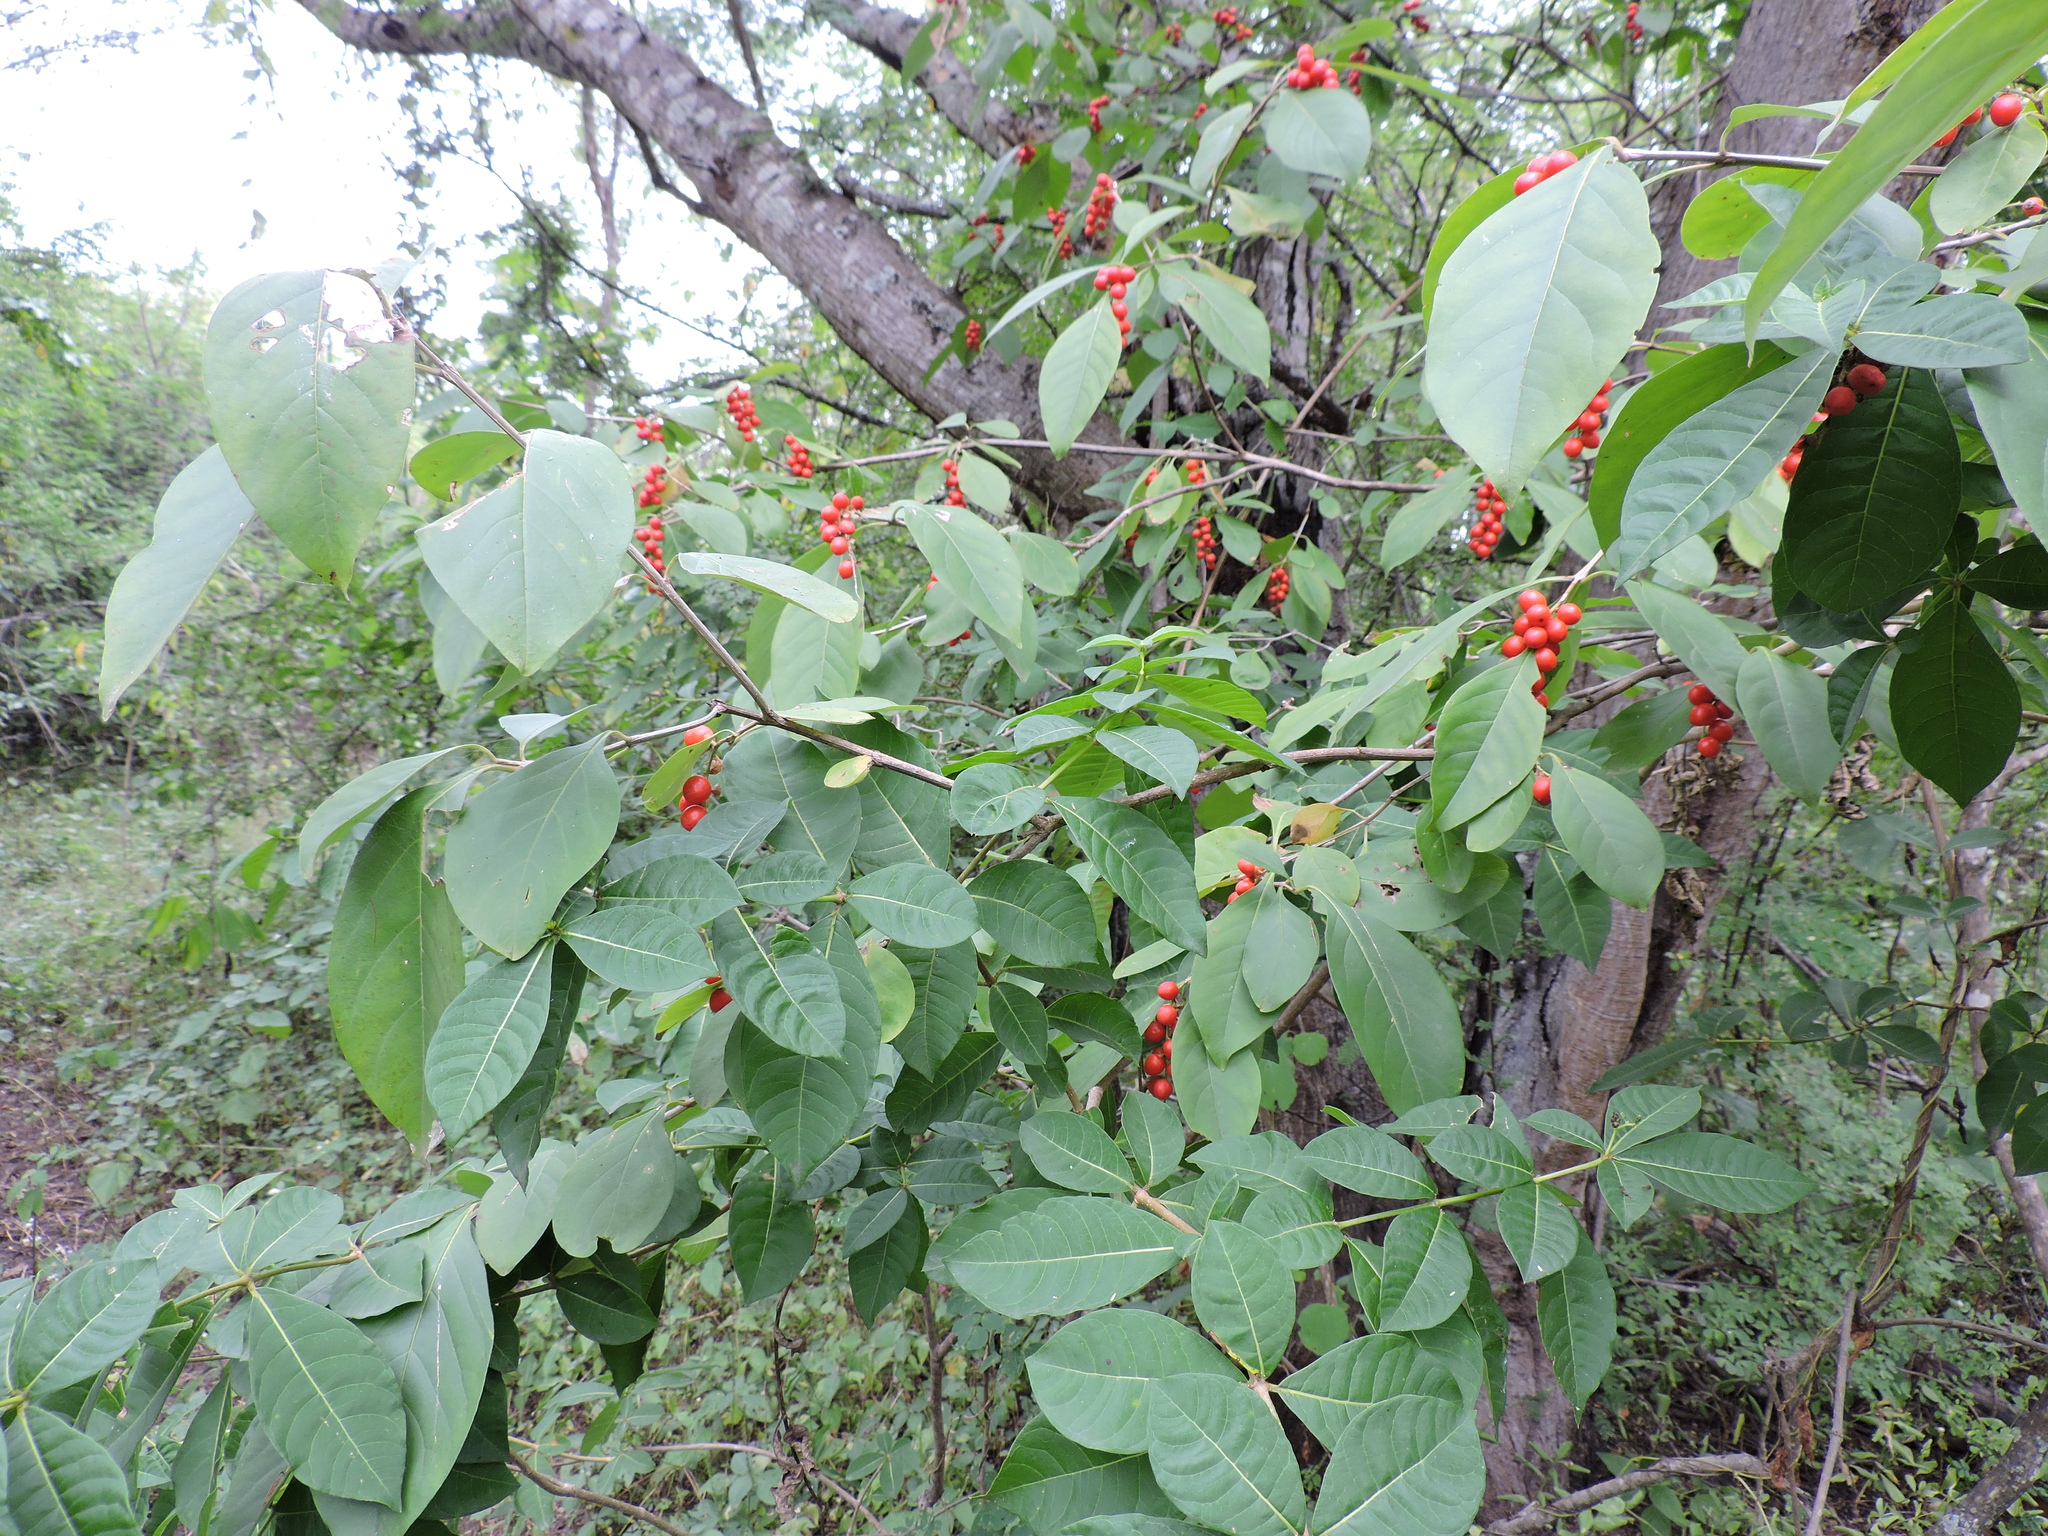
[{"x": 38, "y": 1113}]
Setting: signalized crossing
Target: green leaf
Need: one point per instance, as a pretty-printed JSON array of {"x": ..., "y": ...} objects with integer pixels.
[
  {"x": 1019, "y": 1021},
  {"x": 1154, "y": 1133},
  {"x": 1985, "y": 46},
  {"x": 1699, "y": 639},
  {"x": 1608, "y": 834},
  {"x": 1425, "y": 1272},
  {"x": 1535, "y": 310},
  {"x": 638, "y": 946},
  {"x": 1091, "y": 1378},
  {"x": 916, "y": 904},
  {"x": 1232, "y": 323},
  {"x": 877, "y": 1271},
  {"x": 770, "y": 766},
  {"x": 943, "y": 993},
  {"x": 1212, "y": 694},
  {"x": 1049, "y": 1482},
  {"x": 1405, "y": 1022},
  {"x": 1158, "y": 751},
  {"x": 326, "y": 1397},
  {"x": 1219, "y": 1099},
  {"x": 1415, "y": 527},
  {"x": 1986, "y": 176},
  {"x": 486, "y": 1036},
  {"x": 525, "y": 840},
  {"x": 1142, "y": 865},
  {"x": 606, "y": 1303},
  {"x": 1369, "y": 1162},
  {"x": 803, "y": 1106},
  {"x": 1262, "y": 949},
  {"x": 1046, "y": 563},
  {"x": 1573, "y": 912},
  {"x": 534, "y": 561},
  {"x": 786, "y": 879},
  {"x": 86, "y": 1321},
  {"x": 1704, "y": 465},
  {"x": 1071, "y": 1254},
  {"x": 772, "y": 1237},
  {"x": 1645, "y": 1112},
  {"x": 794, "y": 998},
  {"x": 771, "y": 578},
  {"x": 1954, "y": 706},
  {"x": 63, "y": 1483},
  {"x": 1720, "y": 1171},
  {"x": 393, "y": 965},
  {"x": 917, "y": 1101},
  {"x": 353, "y": 801},
  {"x": 1486, "y": 741},
  {"x": 1723, "y": 217},
  {"x": 1037, "y": 913},
  {"x": 1221, "y": 135},
  {"x": 1537, "y": 1228},
  {"x": 976, "y": 564},
  {"x": 309, "y": 385},
  {"x": 516, "y": 1122},
  {"x": 1336, "y": 1390},
  {"x": 2012, "y": 409},
  {"x": 1072, "y": 382},
  {"x": 1786, "y": 708},
  {"x": 618, "y": 1187},
  {"x": 1325, "y": 133},
  {"x": 448, "y": 461},
  {"x": 1219, "y": 1454},
  {"x": 1073, "y": 1151},
  {"x": 1481, "y": 1155},
  {"x": 1875, "y": 498},
  {"x": 1410, "y": 1466},
  {"x": 201, "y": 514},
  {"x": 1959, "y": 330},
  {"x": 1243, "y": 1294},
  {"x": 1575, "y": 1311},
  {"x": 994, "y": 797},
  {"x": 812, "y": 659}
]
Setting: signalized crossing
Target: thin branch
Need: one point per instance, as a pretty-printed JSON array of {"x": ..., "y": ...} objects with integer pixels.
[
  {"x": 674, "y": 598},
  {"x": 840, "y": 743},
  {"x": 2017, "y": 1340},
  {"x": 1536, "y": 1517},
  {"x": 1298, "y": 1004},
  {"x": 448, "y": 375},
  {"x": 1726, "y": 157},
  {"x": 592, "y": 1496},
  {"x": 738, "y": 16},
  {"x": 895, "y": 202},
  {"x": 1827, "y": 1462}
]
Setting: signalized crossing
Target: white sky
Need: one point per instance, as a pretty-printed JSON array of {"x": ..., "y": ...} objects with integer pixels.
[{"x": 172, "y": 150}]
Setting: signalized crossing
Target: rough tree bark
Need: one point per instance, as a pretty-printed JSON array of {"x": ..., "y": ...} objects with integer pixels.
[{"x": 875, "y": 295}]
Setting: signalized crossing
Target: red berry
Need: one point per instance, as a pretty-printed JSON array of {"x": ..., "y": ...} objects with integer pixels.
[
  {"x": 2033, "y": 207},
  {"x": 1590, "y": 420},
  {"x": 1169, "y": 990},
  {"x": 1702, "y": 714},
  {"x": 1570, "y": 613},
  {"x": 1943, "y": 143},
  {"x": 1154, "y": 1033},
  {"x": 720, "y": 1000},
  {"x": 1973, "y": 119},
  {"x": 1248, "y": 869},
  {"x": 1723, "y": 710},
  {"x": 692, "y": 814},
  {"x": 1532, "y": 599},
  {"x": 1710, "y": 748},
  {"x": 695, "y": 734},
  {"x": 1543, "y": 698},
  {"x": 696, "y": 789},
  {"x": 1546, "y": 660},
  {"x": 1560, "y": 160},
  {"x": 1599, "y": 404},
  {"x": 1589, "y": 438},
  {"x": 1540, "y": 788},
  {"x": 846, "y": 570},
  {"x": 1166, "y": 1050},
  {"x": 1167, "y": 1015},
  {"x": 2006, "y": 110},
  {"x": 1526, "y": 181},
  {"x": 1556, "y": 630},
  {"x": 1721, "y": 730},
  {"x": 1866, "y": 378},
  {"x": 1514, "y": 645},
  {"x": 1700, "y": 693},
  {"x": 1839, "y": 401},
  {"x": 1573, "y": 447},
  {"x": 1154, "y": 1064},
  {"x": 1162, "y": 1088}
]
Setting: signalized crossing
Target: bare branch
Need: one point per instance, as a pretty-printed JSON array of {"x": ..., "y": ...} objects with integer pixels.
[{"x": 1536, "y": 1517}]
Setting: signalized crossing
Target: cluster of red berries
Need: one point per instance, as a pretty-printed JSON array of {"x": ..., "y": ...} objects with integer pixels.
[
  {"x": 799, "y": 457},
  {"x": 1311, "y": 73},
  {"x": 1631, "y": 26},
  {"x": 1586, "y": 430},
  {"x": 995, "y": 230},
  {"x": 1276, "y": 587},
  {"x": 1226, "y": 20},
  {"x": 649, "y": 427},
  {"x": 1491, "y": 507},
  {"x": 1200, "y": 108},
  {"x": 1859, "y": 383},
  {"x": 954, "y": 498},
  {"x": 1248, "y": 875},
  {"x": 649, "y": 534},
  {"x": 1174, "y": 33},
  {"x": 654, "y": 485},
  {"x": 1717, "y": 718},
  {"x": 697, "y": 789},
  {"x": 1789, "y": 465},
  {"x": 1158, "y": 1062},
  {"x": 1057, "y": 218},
  {"x": 1354, "y": 79},
  {"x": 836, "y": 528},
  {"x": 1095, "y": 113},
  {"x": 1205, "y": 542},
  {"x": 1540, "y": 628},
  {"x": 1114, "y": 281},
  {"x": 1026, "y": 154},
  {"x": 1101, "y": 205},
  {"x": 972, "y": 337},
  {"x": 739, "y": 405},
  {"x": 1408, "y": 9},
  {"x": 1543, "y": 167},
  {"x": 720, "y": 999}
]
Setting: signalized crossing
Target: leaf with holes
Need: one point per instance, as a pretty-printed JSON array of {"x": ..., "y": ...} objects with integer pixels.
[{"x": 308, "y": 382}]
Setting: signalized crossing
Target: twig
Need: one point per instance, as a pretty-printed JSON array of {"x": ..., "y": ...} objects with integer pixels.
[
  {"x": 1727, "y": 157},
  {"x": 840, "y": 743},
  {"x": 2018, "y": 1340},
  {"x": 853, "y": 1500},
  {"x": 674, "y": 599},
  {"x": 935, "y": 1363},
  {"x": 1298, "y": 1004},
  {"x": 1536, "y": 1516},
  {"x": 1146, "y": 1200},
  {"x": 592, "y": 1496},
  {"x": 448, "y": 375},
  {"x": 1827, "y": 1462}
]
